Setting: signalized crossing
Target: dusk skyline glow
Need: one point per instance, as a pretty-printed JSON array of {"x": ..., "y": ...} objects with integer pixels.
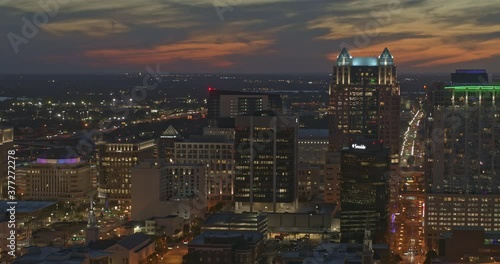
[{"x": 253, "y": 36}]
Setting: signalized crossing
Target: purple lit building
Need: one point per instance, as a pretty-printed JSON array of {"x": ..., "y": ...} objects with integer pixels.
[{"x": 57, "y": 175}]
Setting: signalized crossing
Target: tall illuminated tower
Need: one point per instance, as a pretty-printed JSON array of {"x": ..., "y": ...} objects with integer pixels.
[
  {"x": 463, "y": 179},
  {"x": 364, "y": 101},
  {"x": 266, "y": 158},
  {"x": 364, "y": 105}
]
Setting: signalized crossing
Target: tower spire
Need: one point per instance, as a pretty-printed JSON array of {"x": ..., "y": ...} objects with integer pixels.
[
  {"x": 92, "y": 232},
  {"x": 386, "y": 58},
  {"x": 344, "y": 58},
  {"x": 92, "y": 220},
  {"x": 367, "y": 257}
]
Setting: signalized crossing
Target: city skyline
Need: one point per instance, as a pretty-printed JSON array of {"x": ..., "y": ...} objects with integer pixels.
[
  {"x": 255, "y": 36},
  {"x": 249, "y": 131}
]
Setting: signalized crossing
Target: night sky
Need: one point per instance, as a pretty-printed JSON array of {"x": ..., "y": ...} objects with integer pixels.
[{"x": 245, "y": 36}]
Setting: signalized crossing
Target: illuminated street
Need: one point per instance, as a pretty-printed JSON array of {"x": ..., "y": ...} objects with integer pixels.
[
  {"x": 407, "y": 221},
  {"x": 174, "y": 256}
]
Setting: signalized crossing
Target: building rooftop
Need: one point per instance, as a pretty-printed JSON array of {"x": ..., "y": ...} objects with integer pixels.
[
  {"x": 474, "y": 88},
  {"x": 214, "y": 91},
  {"x": 58, "y": 153},
  {"x": 53, "y": 255},
  {"x": 208, "y": 139},
  {"x": 487, "y": 234},
  {"x": 321, "y": 208},
  {"x": 228, "y": 218},
  {"x": 226, "y": 237},
  {"x": 345, "y": 59},
  {"x": 334, "y": 253},
  {"x": 127, "y": 140},
  {"x": 134, "y": 240},
  {"x": 26, "y": 206},
  {"x": 171, "y": 132},
  {"x": 102, "y": 244},
  {"x": 313, "y": 133},
  {"x": 364, "y": 61}
]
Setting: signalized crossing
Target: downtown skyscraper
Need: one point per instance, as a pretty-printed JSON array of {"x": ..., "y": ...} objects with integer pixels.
[
  {"x": 364, "y": 105},
  {"x": 463, "y": 157},
  {"x": 266, "y": 162},
  {"x": 365, "y": 101},
  {"x": 364, "y": 191}
]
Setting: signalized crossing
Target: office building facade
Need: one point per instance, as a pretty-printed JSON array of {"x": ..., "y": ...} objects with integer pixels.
[
  {"x": 364, "y": 194},
  {"x": 115, "y": 160},
  {"x": 216, "y": 152},
  {"x": 58, "y": 176},
  {"x": 224, "y": 106},
  {"x": 266, "y": 158},
  {"x": 365, "y": 101},
  {"x": 160, "y": 189}
]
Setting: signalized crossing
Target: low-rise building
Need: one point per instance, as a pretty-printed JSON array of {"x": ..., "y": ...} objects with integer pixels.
[
  {"x": 481, "y": 245},
  {"x": 236, "y": 222},
  {"x": 135, "y": 248},
  {"x": 217, "y": 247},
  {"x": 318, "y": 221},
  {"x": 73, "y": 255},
  {"x": 170, "y": 225},
  {"x": 56, "y": 175}
]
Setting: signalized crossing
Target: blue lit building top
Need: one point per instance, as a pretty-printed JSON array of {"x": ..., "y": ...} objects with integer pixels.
[
  {"x": 364, "y": 61},
  {"x": 345, "y": 59}
]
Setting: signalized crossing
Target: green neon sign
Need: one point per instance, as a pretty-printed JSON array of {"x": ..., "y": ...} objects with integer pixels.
[{"x": 473, "y": 88}]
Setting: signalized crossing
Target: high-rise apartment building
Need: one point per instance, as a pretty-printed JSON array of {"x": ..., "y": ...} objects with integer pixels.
[
  {"x": 224, "y": 106},
  {"x": 115, "y": 160},
  {"x": 364, "y": 194},
  {"x": 6, "y": 144},
  {"x": 266, "y": 158},
  {"x": 365, "y": 101},
  {"x": 464, "y": 161}
]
